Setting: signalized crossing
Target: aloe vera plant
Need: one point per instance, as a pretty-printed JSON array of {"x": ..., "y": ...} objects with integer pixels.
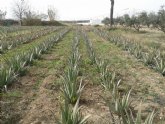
[
  {"x": 102, "y": 66},
  {"x": 150, "y": 118},
  {"x": 16, "y": 64},
  {"x": 3, "y": 47},
  {"x": 6, "y": 76},
  {"x": 148, "y": 59},
  {"x": 71, "y": 115},
  {"x": 125, "y": 45},
  {"x": 37, "y": 51},
  {"x": 93, "y": 57},
  {"x": 74, "y": 59},
  {"x": 122, "y": 107},
  {"x": 160, "y": 65},
  {"x": 72, "y": 90},
  {"x": 137, "y": 118},
  {"x": 71, "y": 87},
  {"x": 109, "y": 79},
  {"x": 28, "y": 57},
  {"x": 90, "y": 50},
  {"x": 138, "y": 53}
]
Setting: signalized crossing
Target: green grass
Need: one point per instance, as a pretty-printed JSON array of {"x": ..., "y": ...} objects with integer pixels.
[
  {"x": 12, "y": 94},
  {"x": 149, "y": 39}
]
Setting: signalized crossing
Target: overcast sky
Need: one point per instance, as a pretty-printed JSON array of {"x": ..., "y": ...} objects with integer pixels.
[{"x": 86, "y": 9}]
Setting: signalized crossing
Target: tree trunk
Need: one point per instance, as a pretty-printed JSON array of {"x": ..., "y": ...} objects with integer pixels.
[
  {"x": 20, "y": 22},
  {"x": 20, "y": 19},
  {"x": 111, "y": 13}
]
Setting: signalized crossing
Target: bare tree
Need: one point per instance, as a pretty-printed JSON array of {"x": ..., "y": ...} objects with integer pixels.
[
  {"x": 42, "y": 16},
  {"x": 111, "y": 12},
  {"x": 19, "y": 9},
  {"x": 2, "y": 14},
  {"x": 52, "y": 13},
  {"x": 31, "y": 15},
  {"x": 161, "y": 19}
]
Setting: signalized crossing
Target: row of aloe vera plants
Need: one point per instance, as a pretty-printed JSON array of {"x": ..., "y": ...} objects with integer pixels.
[
  {"x": 72, "y": 88},
  {"x": 152, "y": 58},
  {"x": 120, "y": 105},
  {"x": 9, "y": 32},
  {"x": 22, "y": 33},
  {"x": 17, "y": 64},
  {"x": 4, "y": 34},
  {"x": 7, "y": 45},
  {"x": 12, "y": 29}
]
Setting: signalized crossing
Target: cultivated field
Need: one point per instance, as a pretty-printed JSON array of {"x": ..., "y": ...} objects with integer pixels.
[{"x": 77, "y": 75}]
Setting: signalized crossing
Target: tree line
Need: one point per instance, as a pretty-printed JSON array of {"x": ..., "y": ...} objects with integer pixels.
[
  {"x": 24, "y": 13},
  {"x": 140, "y": 20}
]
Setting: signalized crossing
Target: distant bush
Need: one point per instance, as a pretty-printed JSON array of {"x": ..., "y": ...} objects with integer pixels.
[
  {"x": 38, "y": 22},
  {"x": 161, "y": 18},
  {"x": 8, "y": 22},
  {"x": 96, "y": 25},
  {"x": 106, "y": 21},
  {"x": 80, "y": 24},
  {"x": 32, "y": 22},
  {"x": 51, "y": 23}
]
